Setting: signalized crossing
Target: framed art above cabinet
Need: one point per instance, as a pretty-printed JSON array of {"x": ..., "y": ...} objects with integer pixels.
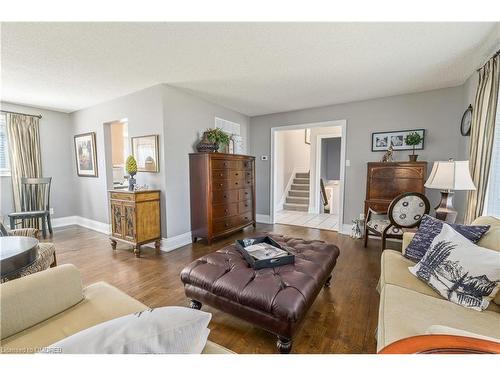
[
  {"x": 145, "y": 152},
  {"x": 382, "y": 140}
]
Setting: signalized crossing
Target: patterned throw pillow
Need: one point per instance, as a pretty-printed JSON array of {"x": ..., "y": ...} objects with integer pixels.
[
  {"x": 430, "y": 228},
  {"x": 463, "y": 273}
]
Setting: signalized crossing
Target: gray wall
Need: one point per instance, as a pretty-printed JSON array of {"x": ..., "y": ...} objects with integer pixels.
[
  {"x": 177, "y": 117},
  {"x": 437, "y": 111},
  {"x": 56, "y": 144},
  {"x": 330, "y": 158},
  {"x": 185, "y": 115},
  {"x": 144, "y": 112}
]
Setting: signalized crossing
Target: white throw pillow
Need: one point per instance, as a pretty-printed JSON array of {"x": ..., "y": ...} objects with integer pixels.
[
  {"x": 462, "y": 272},
  {"x": 165, "y": 330}
]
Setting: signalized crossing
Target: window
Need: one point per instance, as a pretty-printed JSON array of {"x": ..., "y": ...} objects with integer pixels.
[
  {"x": 4, "y": 147},
  {"x": 492, "y": 206}
]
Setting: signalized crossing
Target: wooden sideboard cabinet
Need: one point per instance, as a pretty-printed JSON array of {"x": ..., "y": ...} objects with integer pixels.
[
  {"x": 385, "y": 181},
  {"x": 135, "y": 218},
  {"x": 222, "y": 190}
]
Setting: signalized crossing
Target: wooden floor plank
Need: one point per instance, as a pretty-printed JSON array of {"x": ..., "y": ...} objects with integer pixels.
[{"x": 341, "y": 320}]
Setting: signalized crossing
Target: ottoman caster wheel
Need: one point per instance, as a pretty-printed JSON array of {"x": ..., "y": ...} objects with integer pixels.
[
  {"x": 195, "y": 305},
  {"x": 328, "y": 281},
  {"x": 284, "y": 345}
]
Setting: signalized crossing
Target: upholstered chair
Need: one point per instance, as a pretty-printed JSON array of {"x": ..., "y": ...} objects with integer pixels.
[
  {"x": 405, "y": 211},
  {"x": 46, "y": 252}
]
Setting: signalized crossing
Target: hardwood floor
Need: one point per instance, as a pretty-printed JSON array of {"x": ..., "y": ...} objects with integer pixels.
[{"x": 343, "y": 318}]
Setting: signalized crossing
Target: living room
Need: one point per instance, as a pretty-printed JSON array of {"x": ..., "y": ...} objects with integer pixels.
[{"x": 162, "y": 196}]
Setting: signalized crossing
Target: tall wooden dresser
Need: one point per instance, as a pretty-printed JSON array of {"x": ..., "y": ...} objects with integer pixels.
[
  {"x": 135, "y": 218},
  {"x": 385, "y": 181},
  {"x": 222, "y": 194}
]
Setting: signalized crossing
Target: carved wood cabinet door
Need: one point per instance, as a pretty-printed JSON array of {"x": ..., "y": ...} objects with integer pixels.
[
  {"x": 116, "y": 219},
  {"x": 129, "y": 222}
]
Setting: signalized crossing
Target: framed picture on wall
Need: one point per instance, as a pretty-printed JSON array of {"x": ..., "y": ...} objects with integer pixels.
[
  {"x": 86, "y": 155},
  {"x": 145, "y": 152},
  {"x": 307, "y": 136},
  {"x": 382, "y": 140}
]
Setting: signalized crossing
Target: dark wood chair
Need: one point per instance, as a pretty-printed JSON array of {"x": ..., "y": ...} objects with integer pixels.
[
  {"x": 405, "y": 211},
  {"x": 35, "y": 203},
  {"x": 441, "y": 344}
]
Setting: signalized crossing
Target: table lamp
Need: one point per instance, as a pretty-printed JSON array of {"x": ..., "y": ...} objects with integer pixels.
[{"x": 448, "y": 176}]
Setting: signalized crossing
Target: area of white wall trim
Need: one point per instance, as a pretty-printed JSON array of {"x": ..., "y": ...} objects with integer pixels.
[
  {"x": 316, "y": 194},
  {"x": 83, "y": 222},
  {"x": 175, "y": 242},
  {"x": 167, "y": 244},
  {"x": 264, "y": 219},
  {"x": 342, "y": 124}
]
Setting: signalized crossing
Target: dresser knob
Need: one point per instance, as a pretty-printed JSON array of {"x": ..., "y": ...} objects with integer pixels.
[
  {"x": 227, "y": 225},
  {"x": 236, "y": 183},
  {"x": 236, "y": 174},
  {"x": 220, "y": 184},
  {"x": 225, "y": 196},
  {"x": 246, "y": 205},
  {"x": 221, "y": 174},
  {"x": 246, "y": 192}
]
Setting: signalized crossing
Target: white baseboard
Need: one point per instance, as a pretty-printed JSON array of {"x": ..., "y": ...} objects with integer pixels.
[
  {"x": 346, "y": 229},
  {"x": 264, "y": 219},
  {"x": 83, "y": 222},
  {"x": 172, "y": 243},
  {"x": 167, "y": 244}
]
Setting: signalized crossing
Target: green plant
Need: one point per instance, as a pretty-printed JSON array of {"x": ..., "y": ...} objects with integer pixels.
[
  {"x": 413, "y": 139},
  {"x": 131, "y": 165},
  {"x": 218, "y": 136}
]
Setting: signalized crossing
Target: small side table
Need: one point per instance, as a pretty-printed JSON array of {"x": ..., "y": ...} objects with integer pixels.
[{"x": 16, "y": 253}]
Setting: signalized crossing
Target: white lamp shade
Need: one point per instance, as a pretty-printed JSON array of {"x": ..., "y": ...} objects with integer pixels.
[{"x": 450, "y": 175}]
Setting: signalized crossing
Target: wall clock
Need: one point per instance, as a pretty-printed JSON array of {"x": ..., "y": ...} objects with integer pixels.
[{"x": 466, "y": 121}]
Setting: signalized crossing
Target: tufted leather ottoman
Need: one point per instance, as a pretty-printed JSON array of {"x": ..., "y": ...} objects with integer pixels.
[{"x": 274, "y": 299}]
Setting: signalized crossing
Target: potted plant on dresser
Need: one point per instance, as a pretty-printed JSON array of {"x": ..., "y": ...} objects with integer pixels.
[
  {"x": 212, "y": 140},
  {"x": 413, "y": 139}
]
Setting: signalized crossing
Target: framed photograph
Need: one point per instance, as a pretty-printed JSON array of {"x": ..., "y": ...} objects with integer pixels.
[
  {"x": 382, "y": 140},
  {"x": 307, "y": 136},
  {"x": 145, "y": 152},
  {"x": 86, "y": 155}
]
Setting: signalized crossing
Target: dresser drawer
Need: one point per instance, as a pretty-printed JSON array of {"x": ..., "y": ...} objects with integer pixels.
[
  {"x": 224, "y": 210},
  {"x": 244, "y": 164},
  {"x": 229, "y": 184},
  {"x": 123, "y": 196},
  {"x": 225, "y": 196},
  {"x": 234, "y": 174},
  {"x": 228, "y": 223},
  {"x": 224, "y": 164},
  {"x": 244, "y": 206},
  {"x": 244, "y": 194}
]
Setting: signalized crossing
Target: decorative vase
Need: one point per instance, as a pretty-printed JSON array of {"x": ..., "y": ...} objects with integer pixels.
[
  {"x": 131, "y": 182},
  {"x": 205, "y": 145},
  {"x": 413, "y": 158}
]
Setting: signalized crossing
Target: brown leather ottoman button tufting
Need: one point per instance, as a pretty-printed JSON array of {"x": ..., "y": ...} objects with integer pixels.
[{"x": 274, "y": 299}]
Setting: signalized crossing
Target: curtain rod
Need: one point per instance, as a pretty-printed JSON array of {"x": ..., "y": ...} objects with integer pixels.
[
  {"x": 494, "y": 55},
  {"x": 19, "y": 113}
]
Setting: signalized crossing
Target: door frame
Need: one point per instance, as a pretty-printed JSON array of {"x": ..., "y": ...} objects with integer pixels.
[
  {"x": 316, "y": 195},
  {"x": 340, "y": 123}
]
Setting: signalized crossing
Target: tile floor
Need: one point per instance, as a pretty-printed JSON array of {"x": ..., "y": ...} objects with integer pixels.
[{"x": 305, "y": 219}]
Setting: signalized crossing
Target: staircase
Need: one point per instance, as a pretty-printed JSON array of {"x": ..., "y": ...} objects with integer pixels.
[{"x": 298, "y": 195}]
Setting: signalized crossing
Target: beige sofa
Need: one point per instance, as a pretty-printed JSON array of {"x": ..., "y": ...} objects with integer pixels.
[
  {"x": 43, "y": 308},
  {"x": 408, "y": 307}
]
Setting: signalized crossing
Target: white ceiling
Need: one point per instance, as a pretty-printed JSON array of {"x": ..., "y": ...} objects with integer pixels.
[{"x": 253, "y": 68}]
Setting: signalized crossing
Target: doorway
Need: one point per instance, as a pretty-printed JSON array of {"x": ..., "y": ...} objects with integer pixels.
[
  {"x": 117, "y": 150},
  {"x": 307, "y": 174}
]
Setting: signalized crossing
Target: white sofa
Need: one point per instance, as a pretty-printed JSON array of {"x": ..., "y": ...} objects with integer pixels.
[
  {"x": 409, "y": 307},
  {"x": 40, "y": 309}
]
